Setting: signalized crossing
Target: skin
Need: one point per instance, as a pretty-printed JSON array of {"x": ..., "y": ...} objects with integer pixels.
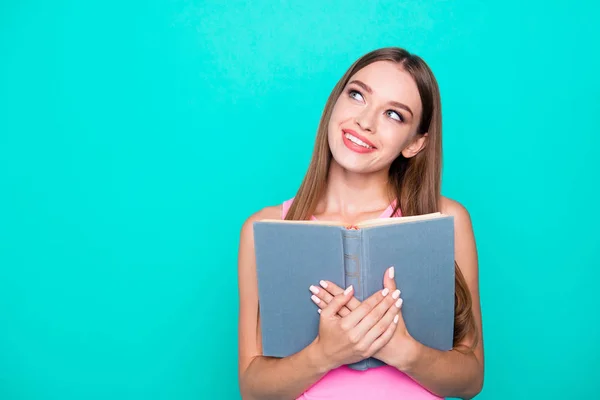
[{"x": 350, "y": 330}]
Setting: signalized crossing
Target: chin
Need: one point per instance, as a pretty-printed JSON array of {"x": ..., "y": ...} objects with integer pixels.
[{"x": 351, "y": 163}]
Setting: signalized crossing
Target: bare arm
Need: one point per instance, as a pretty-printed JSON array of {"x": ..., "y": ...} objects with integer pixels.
[
  {"x": 267, "y": 377},
  {"x": 281, "y": 378},
  {"x": 459, "y": 372},
  {"x": 454, "y": 373}
]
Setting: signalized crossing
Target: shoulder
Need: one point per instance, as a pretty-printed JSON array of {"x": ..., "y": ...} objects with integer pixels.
[
  {"x": 466, "y": 250},
  {"x": 462, "y": 218},
  {"x": 246, "y": 262},
  {"x": 452, "y": 207},
  {"x": 270, "y": 212},
  {"x": 463, "y": 227}
]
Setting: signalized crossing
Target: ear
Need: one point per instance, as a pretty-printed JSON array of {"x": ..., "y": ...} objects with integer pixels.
[{"x": 416, "y": 146}]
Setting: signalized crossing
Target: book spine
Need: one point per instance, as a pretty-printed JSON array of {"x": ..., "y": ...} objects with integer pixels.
[
  {"x": 364, "y": 248},
  {"x": 370, "y": 362},
  {"x": 353, "y": 272},
  {"x": 351, "y": 240}
]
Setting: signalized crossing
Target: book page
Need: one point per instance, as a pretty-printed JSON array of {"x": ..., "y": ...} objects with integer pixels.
[
  {"x": 399, "y": 220},
  {"x": 365, "y": 224}
]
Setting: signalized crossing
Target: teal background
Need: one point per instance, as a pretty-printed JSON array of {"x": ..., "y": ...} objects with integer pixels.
[{"x": 137, "y": 137}]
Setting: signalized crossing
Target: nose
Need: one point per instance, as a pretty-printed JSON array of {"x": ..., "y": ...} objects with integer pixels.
[{"x": 365, "y": 120}]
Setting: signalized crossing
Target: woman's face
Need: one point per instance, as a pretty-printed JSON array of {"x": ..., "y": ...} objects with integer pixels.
[{"x": 375, "y": 119}]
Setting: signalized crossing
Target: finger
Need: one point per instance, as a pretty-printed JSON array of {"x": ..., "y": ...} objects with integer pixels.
[
  {"x": 397, "y": 323},
  {"x": 322, "y": 304},
  {"x": 400, "y": 322},
  {"x": 384, "y": 338},
  {"x": 388, "y": 279},
  {"x": 352, "y": 319},
  {"x": 335, "y": 290},
  {"x": 338, "y": 302},
  {"x": 377, "y": 313},
  {"x": 390, "y": 317},
  {"x": 322, "y": 297}
]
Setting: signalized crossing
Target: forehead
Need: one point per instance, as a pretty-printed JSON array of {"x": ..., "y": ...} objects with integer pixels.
[{"x": 391, "y": 83}]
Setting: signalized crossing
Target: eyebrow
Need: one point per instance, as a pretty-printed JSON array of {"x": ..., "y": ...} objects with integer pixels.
[{"x": 370, "y": 91}]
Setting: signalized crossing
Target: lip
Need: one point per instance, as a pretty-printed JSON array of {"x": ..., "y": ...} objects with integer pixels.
[{"x": 364, "y": 139}]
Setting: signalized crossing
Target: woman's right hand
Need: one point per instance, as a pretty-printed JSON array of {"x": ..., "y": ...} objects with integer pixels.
[{"x": 361, "y": 333}]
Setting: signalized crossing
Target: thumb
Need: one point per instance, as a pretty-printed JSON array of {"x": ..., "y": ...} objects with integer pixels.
[
  {"x": 388, "y": 279},
  {"x": 338, "y": 302}
]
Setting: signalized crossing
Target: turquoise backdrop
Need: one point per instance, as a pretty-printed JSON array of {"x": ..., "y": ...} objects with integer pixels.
[{"x": 136, "y": 137}]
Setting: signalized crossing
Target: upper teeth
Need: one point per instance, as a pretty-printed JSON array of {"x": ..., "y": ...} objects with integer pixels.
[{"x": 357, "y": 141}]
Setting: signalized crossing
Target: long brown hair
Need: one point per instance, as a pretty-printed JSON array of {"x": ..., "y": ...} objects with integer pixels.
[{"x": 415, "y": 181}]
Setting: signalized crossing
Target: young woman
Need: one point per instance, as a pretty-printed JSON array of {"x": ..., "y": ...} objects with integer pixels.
[{"x": 378, "y": 153}]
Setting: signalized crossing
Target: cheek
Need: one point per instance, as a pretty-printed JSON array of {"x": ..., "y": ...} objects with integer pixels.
[
  {"x": 335, "y": 120},
  {"x": 342, "y": 111},
  {"x": 393, "y": 142}
]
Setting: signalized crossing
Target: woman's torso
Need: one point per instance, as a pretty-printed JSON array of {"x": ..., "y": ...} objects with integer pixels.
[{"x": 380, "y": 383}]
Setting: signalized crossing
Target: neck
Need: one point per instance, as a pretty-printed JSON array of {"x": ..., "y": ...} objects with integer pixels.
[{"x": 350, "y": 193}]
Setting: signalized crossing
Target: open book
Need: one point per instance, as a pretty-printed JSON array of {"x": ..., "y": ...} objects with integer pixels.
[{"x": 292, "y": 255}]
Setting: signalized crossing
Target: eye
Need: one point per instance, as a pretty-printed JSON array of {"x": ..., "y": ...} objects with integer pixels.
[
  {"x": 393, "y": 114},
  {"x": 355, "y": 94}
]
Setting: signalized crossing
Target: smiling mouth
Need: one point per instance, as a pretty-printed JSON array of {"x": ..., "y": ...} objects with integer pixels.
[{"x": 357, "y": 141}]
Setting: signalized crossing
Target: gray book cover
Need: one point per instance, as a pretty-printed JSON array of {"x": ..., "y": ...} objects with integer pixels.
[{"x": 292, "y": 256}]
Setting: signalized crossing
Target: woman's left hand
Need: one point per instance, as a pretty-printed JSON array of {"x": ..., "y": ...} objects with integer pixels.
[{"x": 401, "y": 350}]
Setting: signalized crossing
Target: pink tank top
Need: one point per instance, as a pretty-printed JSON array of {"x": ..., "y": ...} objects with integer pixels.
[{"x": 382, "y": 383}]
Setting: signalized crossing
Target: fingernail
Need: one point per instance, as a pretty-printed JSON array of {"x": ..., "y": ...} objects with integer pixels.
[
  {"x": 313, "y": 289},
  {"x": 391, "y": 272},
  {"x": 319, "y": 311},
  {"x": 399, "y": 303},
  {"x": 323, "y": 283},
  {"x": 395, "y": 318},
  {"x": 315, "y": 299},
  {"x": 348, "y": 289},
  {"x": 385, "y": 291},
  {"x": 396, "y": 294}
]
